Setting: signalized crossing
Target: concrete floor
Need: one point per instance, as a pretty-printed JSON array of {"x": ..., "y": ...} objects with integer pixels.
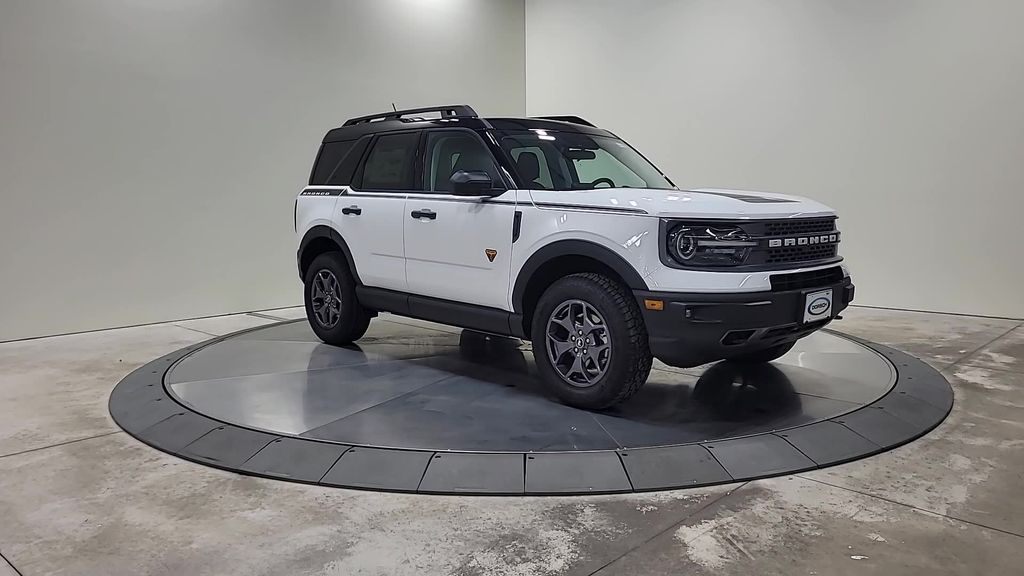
[{"x": 78, "y": 496}]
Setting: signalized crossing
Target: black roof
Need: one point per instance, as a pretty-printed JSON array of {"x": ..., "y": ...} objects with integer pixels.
[{"x": 458, "y": 115}]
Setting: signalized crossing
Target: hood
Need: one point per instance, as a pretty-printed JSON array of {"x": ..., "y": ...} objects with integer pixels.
[{"x": 699, "y": 203}]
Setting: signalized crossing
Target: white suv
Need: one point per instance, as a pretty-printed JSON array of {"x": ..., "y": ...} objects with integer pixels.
[{"x": 553, "y": 230}]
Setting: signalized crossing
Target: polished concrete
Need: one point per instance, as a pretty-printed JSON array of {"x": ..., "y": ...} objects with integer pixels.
[{"x": 77, "y": 496}]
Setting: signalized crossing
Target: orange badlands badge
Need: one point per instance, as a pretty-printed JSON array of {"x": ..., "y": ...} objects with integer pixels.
[{"x": 491, "y": 253}]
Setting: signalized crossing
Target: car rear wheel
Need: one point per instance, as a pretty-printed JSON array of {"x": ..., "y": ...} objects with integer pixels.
[
  {"x": 332, "y": 308},
  {"x": 590, "y": 342}
]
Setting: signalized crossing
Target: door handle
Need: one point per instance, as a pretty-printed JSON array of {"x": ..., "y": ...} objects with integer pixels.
[
  {"x": 352, "y": 210},
  {"x": 425, "y": 213}
]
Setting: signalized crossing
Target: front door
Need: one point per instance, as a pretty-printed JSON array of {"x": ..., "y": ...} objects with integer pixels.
[{"x": 458, "y": 248}]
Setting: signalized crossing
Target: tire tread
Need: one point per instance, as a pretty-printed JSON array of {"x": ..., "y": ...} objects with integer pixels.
[
  {"x": 637, "y": 333},
  {"x": 355, "y": 318},
  {"x": 637, "y": 348}
]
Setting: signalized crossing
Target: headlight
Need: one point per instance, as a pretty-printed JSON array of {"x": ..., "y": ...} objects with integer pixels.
[
  {"x": 685, "y": 246},
  {"x": 705, "y": 245}
]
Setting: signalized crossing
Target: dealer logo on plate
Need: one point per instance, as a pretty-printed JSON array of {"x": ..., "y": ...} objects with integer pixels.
[{"x": 819, "y": 306}]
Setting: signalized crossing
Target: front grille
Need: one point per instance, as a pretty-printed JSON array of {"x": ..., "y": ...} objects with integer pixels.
[
  {"x": 775, "y": 244},
  {"x": 797, "y": 227},
  {"x": 801, "y": 253},
  {"x": 803, "y": 280}
]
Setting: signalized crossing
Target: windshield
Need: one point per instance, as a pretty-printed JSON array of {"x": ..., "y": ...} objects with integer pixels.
[{"x": 547, "y": 160}]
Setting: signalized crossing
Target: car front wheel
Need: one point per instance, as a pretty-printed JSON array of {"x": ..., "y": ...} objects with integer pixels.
[{"x": 589, "y": 341}]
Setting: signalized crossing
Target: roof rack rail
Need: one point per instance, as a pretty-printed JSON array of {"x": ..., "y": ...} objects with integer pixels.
[
  {"x": 573, "y": 119},
  {"x": 446, "y": 111}
]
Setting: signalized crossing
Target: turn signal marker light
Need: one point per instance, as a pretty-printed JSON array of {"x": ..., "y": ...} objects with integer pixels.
[{"x": 654, "y": 304}]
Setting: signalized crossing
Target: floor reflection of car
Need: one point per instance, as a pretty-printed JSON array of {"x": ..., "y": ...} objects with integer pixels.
[
  {"x": 472, "y": 384},
  {"x": 738, "y": 392},
  {"x": 726, "y": 391},
  {"x": 498, "y": 351}
]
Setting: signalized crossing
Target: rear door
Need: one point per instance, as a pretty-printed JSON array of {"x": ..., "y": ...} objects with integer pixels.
[
  {"x": 458, "y": 248},
  {"x": 370, "y": 214}
]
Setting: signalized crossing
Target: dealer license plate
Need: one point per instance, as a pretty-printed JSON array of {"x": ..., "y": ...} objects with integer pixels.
[{"x": 818, "y": 306}]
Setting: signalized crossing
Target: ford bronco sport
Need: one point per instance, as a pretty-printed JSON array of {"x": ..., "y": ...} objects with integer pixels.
[{"x": 553, "y": 230}]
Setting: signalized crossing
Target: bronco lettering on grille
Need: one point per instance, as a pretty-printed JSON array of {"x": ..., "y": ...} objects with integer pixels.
[{"x": 803, "y": 240}]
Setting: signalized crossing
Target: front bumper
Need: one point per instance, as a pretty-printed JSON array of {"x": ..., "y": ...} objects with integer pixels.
[{"x": 693, "y": 329}]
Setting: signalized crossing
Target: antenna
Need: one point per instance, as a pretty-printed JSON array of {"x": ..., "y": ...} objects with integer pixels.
[{"x": 394, "y": 107}]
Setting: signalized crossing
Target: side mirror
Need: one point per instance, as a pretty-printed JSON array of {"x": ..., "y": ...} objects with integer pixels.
[{"x": 472, "y": 183}]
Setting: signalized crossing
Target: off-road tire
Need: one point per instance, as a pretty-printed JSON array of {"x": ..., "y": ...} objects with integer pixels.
[
  {"x": 630, "y": 359},
  {"x": 354, "y": 319}
]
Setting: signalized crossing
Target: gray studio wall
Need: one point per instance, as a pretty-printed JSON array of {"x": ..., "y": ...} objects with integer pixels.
[
  {"x": 150, "y": 151},
  {"x": 905, "y": 115}
]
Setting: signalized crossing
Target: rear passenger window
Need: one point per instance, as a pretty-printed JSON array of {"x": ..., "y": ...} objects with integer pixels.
[
  {"x": 342, "y": 175},
  {"x": 331, "y": 154},
  {"x": 391, "y": 163}
]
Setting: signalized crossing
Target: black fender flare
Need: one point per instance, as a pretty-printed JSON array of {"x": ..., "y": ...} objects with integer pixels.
[
  {"x": 323, "y": 231},
  {"x": 560, "y": 248}
]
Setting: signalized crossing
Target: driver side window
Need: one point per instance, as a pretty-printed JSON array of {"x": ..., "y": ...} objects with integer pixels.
[
  {"x": 532, "y": 165},
  {"x": 449, "y": 151}
]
